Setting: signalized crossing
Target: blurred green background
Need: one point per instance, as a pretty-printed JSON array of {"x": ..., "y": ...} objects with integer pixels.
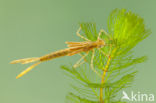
[{"x": 36, "y": 27}]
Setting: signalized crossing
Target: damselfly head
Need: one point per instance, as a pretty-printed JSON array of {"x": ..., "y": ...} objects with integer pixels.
[{"x": 100, "y": 43}]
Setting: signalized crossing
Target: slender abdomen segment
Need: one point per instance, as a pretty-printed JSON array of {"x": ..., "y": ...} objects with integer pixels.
[{"x": 55, "y": 55}]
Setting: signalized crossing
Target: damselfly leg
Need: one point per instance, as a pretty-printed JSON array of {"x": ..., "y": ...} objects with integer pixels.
[
  {"x": 105, "y": 33},
  {"x": 78, "y": 63},
  {"x": 78, "y": 34},
  {"x": 92, "y": 63}
]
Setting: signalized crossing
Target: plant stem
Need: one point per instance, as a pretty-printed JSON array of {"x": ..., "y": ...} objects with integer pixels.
[
  {"x": 103, "y": 80},
  {"x": 101, "y": 89}
]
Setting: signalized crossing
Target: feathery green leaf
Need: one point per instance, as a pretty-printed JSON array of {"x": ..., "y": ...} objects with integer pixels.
[{"x": 125, "y": 31}]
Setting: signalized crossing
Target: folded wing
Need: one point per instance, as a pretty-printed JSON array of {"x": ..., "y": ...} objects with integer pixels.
[{"x": 76, "y": 47}]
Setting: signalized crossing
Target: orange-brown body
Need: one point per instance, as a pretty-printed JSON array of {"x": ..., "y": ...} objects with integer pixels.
[
  {"x": 56, "y": 54},
  {"x": 74, "y": 48}
]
